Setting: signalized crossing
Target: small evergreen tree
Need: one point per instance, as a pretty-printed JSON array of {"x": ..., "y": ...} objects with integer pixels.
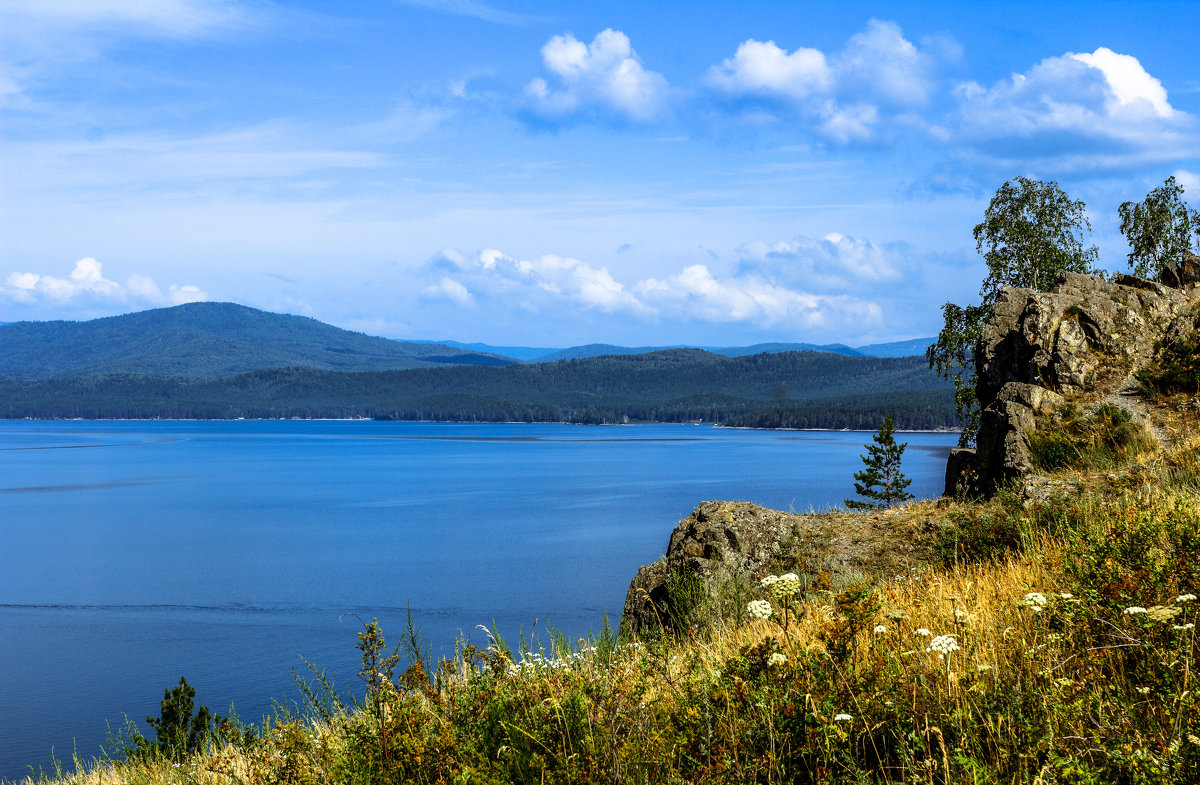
[
  {"x": 177, "y": 731},
  {"x": 881, "y": 483}
]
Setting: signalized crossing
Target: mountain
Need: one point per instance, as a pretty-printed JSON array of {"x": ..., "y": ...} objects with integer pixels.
[
  {"x": 909, "y": 348},
  {"x": 208, "y": 340},
  {"x": 669, "y": 386}
]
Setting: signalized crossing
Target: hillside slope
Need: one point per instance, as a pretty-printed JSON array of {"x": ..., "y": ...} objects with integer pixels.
[
  {"x": 207, "y": 340},
  {"x": 674, "y": 385}
]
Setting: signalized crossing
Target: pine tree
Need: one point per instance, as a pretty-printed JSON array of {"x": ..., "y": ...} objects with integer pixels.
[{"x": 881, "y": 483}]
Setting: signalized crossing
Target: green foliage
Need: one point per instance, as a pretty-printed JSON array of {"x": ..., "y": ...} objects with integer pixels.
[
  {"x": 1099, "y": 439},
  {"x": 207, "y": 340},
  {"x": 1175, "y": 367},
  {"x": 178, "y": 731},
  {"x": 669, "y": 386},
  {"x": 917, "y": 410},
  {"x": 1158, "y": 229},
  {"x": 977, "y": 536},
  {"x": 952, "y": 357},
  {"x": 1031, "y": 232},
  {"x": 881, "y": 483}
]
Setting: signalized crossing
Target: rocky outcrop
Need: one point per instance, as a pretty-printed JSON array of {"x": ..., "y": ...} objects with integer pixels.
[
  {"x": 722, "y": 546},
  {"x": 1086, "y": 336}
]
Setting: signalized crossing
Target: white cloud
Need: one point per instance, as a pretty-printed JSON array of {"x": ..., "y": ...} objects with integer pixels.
[
  {"x": 759, "y": 68},
  {"x": 1075, "y": 112},
  {"x": 1190, "y": 182},
  {"x": 87, "y": 284},
  {"x": 835, "y": 262},
  {"x": 450, "y": 289},
  {"x": 696, "y": 294},
  {"x": 605, "y": 75},
  {"x": 1129, "y": 85},
  {"x": 557, "y": 285},
  {"x": 844, "y": 96}
]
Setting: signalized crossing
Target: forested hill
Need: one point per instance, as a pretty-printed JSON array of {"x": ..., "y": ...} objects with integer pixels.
[
  {"x": 208, "y": 340},
  {"x": 669, "y": 386}
]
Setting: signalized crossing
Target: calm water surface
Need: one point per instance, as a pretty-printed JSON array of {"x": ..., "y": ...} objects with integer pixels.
[{"x": 132, "y": 553}]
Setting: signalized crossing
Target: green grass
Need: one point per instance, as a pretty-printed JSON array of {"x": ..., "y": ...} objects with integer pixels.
[{"x": 1050, "y": 644}]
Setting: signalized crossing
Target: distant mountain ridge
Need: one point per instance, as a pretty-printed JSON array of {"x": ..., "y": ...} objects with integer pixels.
[
  {"x": 209, "y": 340},
  {"x": 909, "y": 348}
]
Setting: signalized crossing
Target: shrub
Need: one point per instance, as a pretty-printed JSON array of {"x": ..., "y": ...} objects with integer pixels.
[
  {"x": 1175, "y": 368},
  {"x": 1101, "y": 439}
]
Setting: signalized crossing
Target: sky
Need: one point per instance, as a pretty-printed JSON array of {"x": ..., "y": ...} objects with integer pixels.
[{"x": 551, "y": 174}]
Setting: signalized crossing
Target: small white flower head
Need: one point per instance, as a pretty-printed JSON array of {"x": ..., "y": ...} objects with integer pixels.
[
  {"x": 960, "y": 614},
  {"x": 1185, "y": 598},
  {"x": 1144, "y": 690},
  {"x": 880, "y": 629},
  {"x": 943, "y": 644},
  {"x": 924, "y": 633},
  {"x": 1035, "y": 601},
  {"x": 842, "y": 718},
  {"x": 1187, "y": 626},
  {"x": 776, "y": 659},
  {"x": 1066, "y": 595},
  {"x": 1133, "y": 610},
  {"x": 759, "y": 609},
  {"x": 768, "y": 582}
]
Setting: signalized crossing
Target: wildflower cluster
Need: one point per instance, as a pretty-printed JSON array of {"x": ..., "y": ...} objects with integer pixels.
[
  {"x": 538, "y": 662},
  {"x": 759, "y": 609},
  {"x": 776, "y": 660},
  {"x": 1035, "y": 601},
  {"x": 943, "y": 645},
  {"x": 781, "y": 587}
]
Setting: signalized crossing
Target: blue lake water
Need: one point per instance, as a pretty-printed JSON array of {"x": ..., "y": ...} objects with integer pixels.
[{"x": 132, "y": 553}]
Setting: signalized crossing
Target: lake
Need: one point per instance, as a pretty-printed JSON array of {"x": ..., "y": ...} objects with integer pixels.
[{"x": 134, "y": 553}]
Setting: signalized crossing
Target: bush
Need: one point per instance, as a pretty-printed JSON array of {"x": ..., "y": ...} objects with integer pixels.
[
  {"x": 1175, "y": 368},
  {"x": 1102, "y": 439}
]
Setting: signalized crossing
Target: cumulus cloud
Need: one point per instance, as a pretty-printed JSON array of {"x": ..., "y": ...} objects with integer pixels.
[
  {"x": 1076, "y": 111},
  {"x": 694, "y": 294},
  {"x": 844, "y": 95},
  {"x": 86, "y": 284},
  {"x": 835, "y": 262},
  {"x": 604, "y": 77}
]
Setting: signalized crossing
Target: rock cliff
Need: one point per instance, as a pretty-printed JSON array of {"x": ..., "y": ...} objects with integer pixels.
[
  {"x": 726, "y": 547},
  {"x": 1082, "y": 340}
]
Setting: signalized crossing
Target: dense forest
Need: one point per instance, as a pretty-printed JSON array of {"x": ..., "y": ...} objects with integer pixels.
[{"x": 791, "y": 389}]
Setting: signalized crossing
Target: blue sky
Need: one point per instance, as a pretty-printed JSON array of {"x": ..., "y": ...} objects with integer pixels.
[{"x": 561, "y": 173}]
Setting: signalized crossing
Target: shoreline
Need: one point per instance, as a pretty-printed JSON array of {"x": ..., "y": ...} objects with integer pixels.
[{"x": 457, "y": 422}]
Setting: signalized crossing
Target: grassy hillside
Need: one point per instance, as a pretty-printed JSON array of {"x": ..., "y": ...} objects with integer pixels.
[
  {"x": 673, "y": 385},
  {"x": 1030, "y": 639},
  {"x": 207, "y": 340}
]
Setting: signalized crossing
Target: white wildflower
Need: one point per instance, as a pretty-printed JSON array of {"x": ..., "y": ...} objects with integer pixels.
[
  {"x": 1066, "y": 595},
  {"x": 943, "y": 645},
  {"x": 924, "y": 633},
  {"x": 1133, "y": 610},
  {"x": 1186, "y": 598},
  {"x": 776, "y": 659},
  {"x": 1035, "y": 601},
  {"x": 759, "y": 609},
  {"x": 1187, "y": 626},
  {"x": 960, "y": 614},
  {"x": 1144, "y": 690},
  {"x": 880, "y": 629},
  {"x": 842, "y": 718}
]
